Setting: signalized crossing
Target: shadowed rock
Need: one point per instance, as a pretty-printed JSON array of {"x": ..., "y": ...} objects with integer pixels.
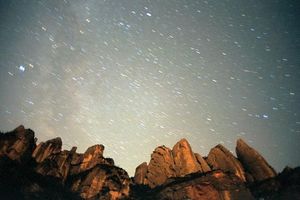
[
  {"x": 253, "y": 162},
  {"x": 17, "y": 144},
  {"x": 214, "y": 185},
  {"x": 221, "y": 158}
]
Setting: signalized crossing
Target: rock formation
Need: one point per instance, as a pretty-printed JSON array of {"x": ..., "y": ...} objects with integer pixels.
[
  {"x": 89, "y": 175},
  {"x": 140, "y": 173},
  {"x": 215, "y": 185},
  {"x": 18, "y": 144},
  {"x": 221, "y": 158},
  {"x": 254, "y": 163},
  {"x": 161, "y": 167},
  {"x": 204, "y": 167},
  {"x": 184, "y": 159},
  {"x": 166, "y": 163},
  {"x": 45, "y": 171}
]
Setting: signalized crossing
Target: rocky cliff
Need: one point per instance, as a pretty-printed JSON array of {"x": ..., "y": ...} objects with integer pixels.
[{"x": 45, "y": 171}]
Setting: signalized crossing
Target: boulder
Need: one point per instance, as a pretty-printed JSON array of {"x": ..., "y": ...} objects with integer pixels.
[
  {"x": 221, "y": 158},
  {"x": 253, "y": 162}
]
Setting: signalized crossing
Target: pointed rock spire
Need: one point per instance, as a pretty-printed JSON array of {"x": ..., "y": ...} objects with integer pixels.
[
  {"x": 184, "y": 158},
  {"x": 253, "y": 162}
]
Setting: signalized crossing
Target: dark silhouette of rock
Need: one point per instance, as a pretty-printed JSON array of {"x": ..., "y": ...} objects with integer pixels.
[
  {"x": 284, "y": 186},
  {"x": 221, "y": 158},
  {"x": 253, "y": 162}
]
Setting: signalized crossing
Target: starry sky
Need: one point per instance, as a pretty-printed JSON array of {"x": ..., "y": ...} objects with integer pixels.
[{"x": 135, "y": 74}]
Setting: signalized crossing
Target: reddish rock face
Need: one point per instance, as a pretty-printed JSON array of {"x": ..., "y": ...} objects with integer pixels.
[
  {"x": 44, "y": 150},
  {"x": 161, "y": 167},
  {"x": 253, "y": 162},
  {"x": 204, "y": 167},
  {"x": 215, "y": 185},
  {"x": 184, "y": 159},
  {"x": 171, "y": 174},
  {"x": 140, "y": 173},
  {"x": 166, "y": 163},
  {"x": 101, "y": 182},
  {"x": 221, "y": 158}
]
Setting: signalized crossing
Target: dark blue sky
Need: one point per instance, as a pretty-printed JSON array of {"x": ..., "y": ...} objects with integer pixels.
[{"x": 133, "y": 75}]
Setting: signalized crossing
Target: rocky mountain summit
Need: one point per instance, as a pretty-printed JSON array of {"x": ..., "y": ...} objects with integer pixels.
[{"x": 45, "y": 171}]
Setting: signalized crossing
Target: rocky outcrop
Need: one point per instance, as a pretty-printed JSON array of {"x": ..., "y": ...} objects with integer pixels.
[
  {"x": 17, "y": 144},
  {"x": 204, "y": 167},
  {"x": 101, "y": 182},
  {"x": 286, "y": 185},
  {"x": 254, "y": 163},
  {"x": 45, "y": 149},
  {"x": 221, "y": 158},
  {"x": 89, "y": 175},
  {"x": 140, "y": 173},
  {"x": 166, "y": 163},
  {"x": 214, "y": 185},
  {"x": 184, "y": 159},
  {"x": 46, "y": 171},
  {"x": 160, "y": 168}
]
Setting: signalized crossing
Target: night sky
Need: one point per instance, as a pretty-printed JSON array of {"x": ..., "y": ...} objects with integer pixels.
[{"x": 132, "y": 75}]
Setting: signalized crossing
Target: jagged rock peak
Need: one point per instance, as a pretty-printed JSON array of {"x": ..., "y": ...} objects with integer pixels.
[
  {"x": 184, "y": 158},
  {"x": 253, "y": 162},
  {"x": 221, "y": 158},
  {"x": 166, "y": 163},
  {"x": 45, "y": 149}
]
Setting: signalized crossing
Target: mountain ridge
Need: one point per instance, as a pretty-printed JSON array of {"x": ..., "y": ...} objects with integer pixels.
[{"x": 38, "y": 171}]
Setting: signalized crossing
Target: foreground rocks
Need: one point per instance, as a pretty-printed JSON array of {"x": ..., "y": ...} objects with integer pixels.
[{"x": 45, "y": 171}]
